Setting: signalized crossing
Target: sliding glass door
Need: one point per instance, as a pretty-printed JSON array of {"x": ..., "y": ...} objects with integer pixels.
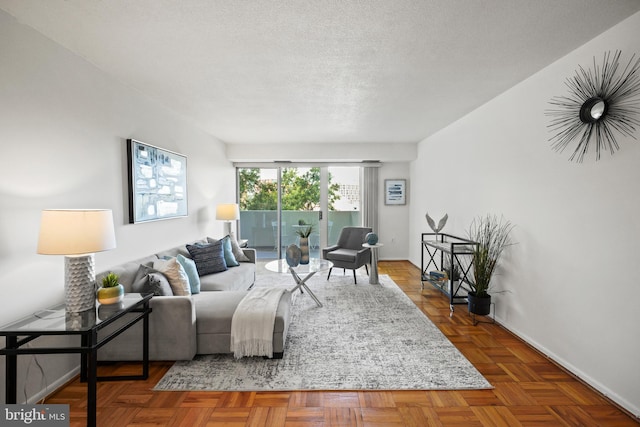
[
  {"x": 345, "y": 197},
  {"x": 277, "y": 203},
  {"x": 259, "y": 212},
  {"x": 300, "y": 207}
]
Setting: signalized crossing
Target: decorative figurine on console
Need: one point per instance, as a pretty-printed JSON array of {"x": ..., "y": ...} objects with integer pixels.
[{"x": 441, "y": 223}]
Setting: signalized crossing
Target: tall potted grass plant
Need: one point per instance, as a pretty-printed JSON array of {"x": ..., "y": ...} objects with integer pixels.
[{"x": 493, "y": 236}]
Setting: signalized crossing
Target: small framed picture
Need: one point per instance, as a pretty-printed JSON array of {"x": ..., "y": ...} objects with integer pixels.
[{"x": 395, "y": 191}]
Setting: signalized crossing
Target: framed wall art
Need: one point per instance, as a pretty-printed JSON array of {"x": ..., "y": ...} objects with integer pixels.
[
  {"x": 157, "y": 183},
  {"x": 395, "y": 191}
]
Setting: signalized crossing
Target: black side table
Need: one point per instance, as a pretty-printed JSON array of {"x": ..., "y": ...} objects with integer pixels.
[{"x": 56, "y": 321}]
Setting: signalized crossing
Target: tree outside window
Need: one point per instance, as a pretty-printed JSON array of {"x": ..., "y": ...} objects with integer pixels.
[{"x": 301, "y": 190}]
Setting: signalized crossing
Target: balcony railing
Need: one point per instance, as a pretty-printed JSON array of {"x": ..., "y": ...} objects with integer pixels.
[{"x": 260, "y": 229}]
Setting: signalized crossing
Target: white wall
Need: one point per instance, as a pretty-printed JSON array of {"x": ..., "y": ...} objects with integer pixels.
[
  {"x": 393, "y": 219},
  {"x": 573, "y": 275},
  {"x": 63, "y": 127}
]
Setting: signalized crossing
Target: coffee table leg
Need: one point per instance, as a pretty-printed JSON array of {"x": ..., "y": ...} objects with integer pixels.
[
  {"x": 300, "y": 283},
  {"x": 92, "y": 379},
  {"x": 11, "y": 370}
]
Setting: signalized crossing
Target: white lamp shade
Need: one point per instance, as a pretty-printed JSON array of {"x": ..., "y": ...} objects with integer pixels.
[
  {"x": 228, "y": 212},
  {"x": 76, "y": 231}
]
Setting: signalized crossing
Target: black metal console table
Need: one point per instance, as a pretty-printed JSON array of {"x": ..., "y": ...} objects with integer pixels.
[
  {"x": 451, "y": 249},
  {"x": 56, "y": 321}
]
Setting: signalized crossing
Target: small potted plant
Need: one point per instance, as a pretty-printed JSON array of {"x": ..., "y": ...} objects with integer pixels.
[
  {"x": 111, "y": 291},
  {"x": 304, "y": 233},
  {"x": 493, "y": 236}
]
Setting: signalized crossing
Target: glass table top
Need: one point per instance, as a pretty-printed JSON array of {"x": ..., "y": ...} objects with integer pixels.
[
  {"x": 315, "y": 265},
  {"x": 57, "y": 319}
]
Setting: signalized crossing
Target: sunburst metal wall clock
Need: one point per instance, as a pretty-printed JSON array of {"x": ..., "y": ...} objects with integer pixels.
[{"x": 602, "y": 102}]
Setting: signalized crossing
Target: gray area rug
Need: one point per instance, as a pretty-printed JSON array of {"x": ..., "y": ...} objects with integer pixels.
[{"x": 366, "y": 337}]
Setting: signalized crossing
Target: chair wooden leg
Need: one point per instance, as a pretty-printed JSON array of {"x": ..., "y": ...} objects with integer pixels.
[
  {"x": 355, "y": 281},
  {"x": 366, "y": 268},
  {"x": 329, "y": 275}
]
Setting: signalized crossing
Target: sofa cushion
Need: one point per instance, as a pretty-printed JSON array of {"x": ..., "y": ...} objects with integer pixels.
[
  {"x": 214, "y": 311},
  {"x": 158, "y": 284},
  {"x": 238, "y": 278},
  {"x": 175, "y": 273},
  {"x": 189, "y": 266},
  {"x": 150, "y": 281},
  {"x": 229, "y": 258},
  {"x": 347, "y": 255},
  {"x": 237, "y": 250},
  {"x": 209, "y": 258}
]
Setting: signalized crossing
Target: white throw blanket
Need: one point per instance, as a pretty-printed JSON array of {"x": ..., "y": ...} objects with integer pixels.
[{"x": 253, "y": 321}]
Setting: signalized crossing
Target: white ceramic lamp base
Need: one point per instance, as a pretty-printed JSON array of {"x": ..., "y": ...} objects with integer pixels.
[
  {"x": 227, "y": 228},
  {"x": 79, "y": 288}
]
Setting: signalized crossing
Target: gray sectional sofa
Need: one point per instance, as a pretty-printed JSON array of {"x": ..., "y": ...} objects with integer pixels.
[{"x": 182, "y": 326}]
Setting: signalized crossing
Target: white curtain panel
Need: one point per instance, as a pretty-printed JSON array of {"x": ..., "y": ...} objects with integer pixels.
[{"x": 370, "y": 197}]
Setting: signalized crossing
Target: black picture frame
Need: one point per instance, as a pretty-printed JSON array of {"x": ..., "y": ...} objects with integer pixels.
[{"x": 157, "y": 183}]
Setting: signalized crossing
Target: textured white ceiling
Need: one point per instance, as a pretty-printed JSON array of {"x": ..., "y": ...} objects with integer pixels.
[{"x": 281, "y": 71}]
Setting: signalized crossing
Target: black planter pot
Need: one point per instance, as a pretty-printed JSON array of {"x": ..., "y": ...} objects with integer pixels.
[{"x": 479, "y": 305}]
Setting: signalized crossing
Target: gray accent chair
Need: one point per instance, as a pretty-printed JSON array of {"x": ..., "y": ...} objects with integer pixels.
[{"x": 348, "y": 253}]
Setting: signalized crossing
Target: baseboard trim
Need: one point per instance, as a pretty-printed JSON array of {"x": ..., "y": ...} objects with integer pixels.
[
  {"x": 619, "y": 402},
  {"x": 615, "y": 399},
  {"x": 54, "y": 386}
]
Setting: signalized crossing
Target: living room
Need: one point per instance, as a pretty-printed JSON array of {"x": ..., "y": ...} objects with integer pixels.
[{"x": 64, "y": 128}]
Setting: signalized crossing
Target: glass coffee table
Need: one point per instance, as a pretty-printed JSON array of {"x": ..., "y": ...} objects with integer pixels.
[{"x": 315, "y": 265}]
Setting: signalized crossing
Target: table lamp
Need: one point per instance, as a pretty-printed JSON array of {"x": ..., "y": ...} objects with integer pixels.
[
  {"x": 77, "y": 234},
  {"x": 228, "y": 212}
]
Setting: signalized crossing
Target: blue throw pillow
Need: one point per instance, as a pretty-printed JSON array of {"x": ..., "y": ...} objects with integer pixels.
[
  {"x": 209, "y": 258},
  {"x": 229, "y": 258},
  {"x": 190, "y": 268}
]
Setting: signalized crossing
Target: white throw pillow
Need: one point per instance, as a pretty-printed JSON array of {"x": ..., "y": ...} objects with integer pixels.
[
  {"x": 237, "y": 250},
  {"x": 176, "y": 275}
]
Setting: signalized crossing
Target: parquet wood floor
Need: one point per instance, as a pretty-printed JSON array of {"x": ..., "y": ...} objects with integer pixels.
[{"x": 529, "y": 389}]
